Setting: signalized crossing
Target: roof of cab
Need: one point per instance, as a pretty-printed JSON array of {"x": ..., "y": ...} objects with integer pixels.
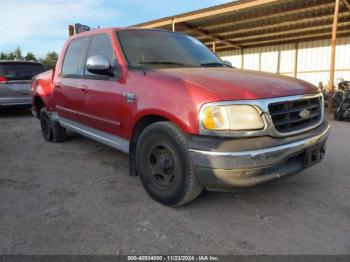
[{"x": 96, "y": 31}]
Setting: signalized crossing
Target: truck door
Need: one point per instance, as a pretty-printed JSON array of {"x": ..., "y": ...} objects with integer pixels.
[
  {"x": 103, "y": 105},
  {"x": 69, "y": 96}
]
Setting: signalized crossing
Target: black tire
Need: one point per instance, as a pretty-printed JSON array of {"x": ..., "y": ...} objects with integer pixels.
[
  {"x": 165, "y": 166},
  {"x": 52, "y": 131}
]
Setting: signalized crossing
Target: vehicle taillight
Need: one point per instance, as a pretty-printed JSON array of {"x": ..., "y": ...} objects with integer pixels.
[{"x": 3, "y": 80}]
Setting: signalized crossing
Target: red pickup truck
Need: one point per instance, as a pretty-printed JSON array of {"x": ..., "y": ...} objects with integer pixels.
[{"x": 187, "y": 120}]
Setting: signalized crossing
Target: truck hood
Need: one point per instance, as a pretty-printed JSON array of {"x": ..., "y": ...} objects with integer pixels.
[{"x": 236, "y": 84}]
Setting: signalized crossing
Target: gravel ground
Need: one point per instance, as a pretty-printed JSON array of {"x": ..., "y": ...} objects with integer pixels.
[{"x": 77, "y": 198}]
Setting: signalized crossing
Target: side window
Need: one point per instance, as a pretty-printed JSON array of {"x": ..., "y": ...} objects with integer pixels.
[
  {"x": 73, "y": 58},
  {"x": 101, "y": 45}
]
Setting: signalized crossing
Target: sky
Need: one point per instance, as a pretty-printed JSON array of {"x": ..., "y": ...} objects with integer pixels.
[{"x": 40, "y": 26}]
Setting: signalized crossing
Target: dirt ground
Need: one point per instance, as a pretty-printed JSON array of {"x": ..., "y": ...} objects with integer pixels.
[{"x": 77, "y": 198}]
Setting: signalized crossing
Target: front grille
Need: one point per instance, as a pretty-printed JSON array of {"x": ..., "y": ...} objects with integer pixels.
[{"x": 286, "y": 116}]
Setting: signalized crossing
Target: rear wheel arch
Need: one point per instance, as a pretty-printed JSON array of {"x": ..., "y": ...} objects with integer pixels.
[{"x": 38, "y": 105}]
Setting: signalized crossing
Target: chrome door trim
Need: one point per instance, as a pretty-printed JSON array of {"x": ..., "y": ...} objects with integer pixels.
[
  {"x": 67, "y": 110},
  {"x": 94, "y": 134}
]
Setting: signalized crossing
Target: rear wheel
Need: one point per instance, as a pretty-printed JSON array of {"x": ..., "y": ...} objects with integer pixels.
[
  {"x": 52, "y": 131},
  {"x": 165, "y": 166}
]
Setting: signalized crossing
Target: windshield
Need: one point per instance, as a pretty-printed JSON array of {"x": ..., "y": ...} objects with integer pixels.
[
  {"x": 20, "y": 71},
  {"x": 162, "y": 49}
]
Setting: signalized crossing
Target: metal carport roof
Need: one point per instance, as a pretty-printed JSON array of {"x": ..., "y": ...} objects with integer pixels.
[{"x": 250, "y": 23}]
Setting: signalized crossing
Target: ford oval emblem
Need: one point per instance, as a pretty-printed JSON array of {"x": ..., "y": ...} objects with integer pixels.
[{"x": 304, "y": 114}]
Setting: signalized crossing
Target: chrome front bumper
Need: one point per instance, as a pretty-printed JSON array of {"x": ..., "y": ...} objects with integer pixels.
[{"x": 224, "y": 169}]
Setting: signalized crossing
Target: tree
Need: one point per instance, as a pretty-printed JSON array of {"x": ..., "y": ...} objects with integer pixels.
[
  {"x": 30, "y": 57},
  {"x": 3, "y": 56},
  {"x": 11, "y": 56},
  {"x": 50, "y": 60},
  {"x": 18, "y": 53}
]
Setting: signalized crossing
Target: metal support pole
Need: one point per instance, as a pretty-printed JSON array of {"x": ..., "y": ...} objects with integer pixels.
[
  {"x": 214, "y": 46},
  {"x": 259, "y": 60},
  {"x": 278, "y": 69},
  {"x": 334, "y": 45},
  {"x": 296, "y": 59},
  {"x": 173, "y": 25}
]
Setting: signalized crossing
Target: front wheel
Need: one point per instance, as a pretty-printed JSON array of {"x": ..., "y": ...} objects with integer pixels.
[{"x": 165, "y": 166}]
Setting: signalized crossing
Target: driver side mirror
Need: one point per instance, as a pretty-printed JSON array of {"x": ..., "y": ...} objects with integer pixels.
[{"x": 100, "y": 65}]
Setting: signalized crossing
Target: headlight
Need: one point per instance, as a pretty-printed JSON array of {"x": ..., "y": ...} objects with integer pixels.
[{"x": 231, "y": 118}]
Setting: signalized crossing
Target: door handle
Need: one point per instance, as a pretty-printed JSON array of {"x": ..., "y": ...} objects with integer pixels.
[{"x": 83, "y": 89}]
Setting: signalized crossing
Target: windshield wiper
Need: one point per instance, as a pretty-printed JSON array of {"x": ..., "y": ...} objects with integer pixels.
[
  {"x": 214, "y": 64},
  {"x": 162, "y": 63}
]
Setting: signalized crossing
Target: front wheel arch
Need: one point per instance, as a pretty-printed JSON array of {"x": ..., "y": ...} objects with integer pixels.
[{"x": 140, "y": 125}]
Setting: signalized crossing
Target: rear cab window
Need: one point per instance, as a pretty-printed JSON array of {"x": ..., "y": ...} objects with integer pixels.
[
  {"x": 20, "y": 70},
  {"x": 74, "y": 57}
]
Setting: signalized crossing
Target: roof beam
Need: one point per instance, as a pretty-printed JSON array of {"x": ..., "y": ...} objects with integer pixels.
[
  {"x": 295, "y": 22},
  {"x": 211, "y": 36},
  {"x": 288, "y": 39},
  {"x": 286, "y": 32},
  {"x": 346, "y": 2},
  {"x": 314, "y": 6},
  {"x": 294, "y": 31},
  {"x": 216, "y": 10}
]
